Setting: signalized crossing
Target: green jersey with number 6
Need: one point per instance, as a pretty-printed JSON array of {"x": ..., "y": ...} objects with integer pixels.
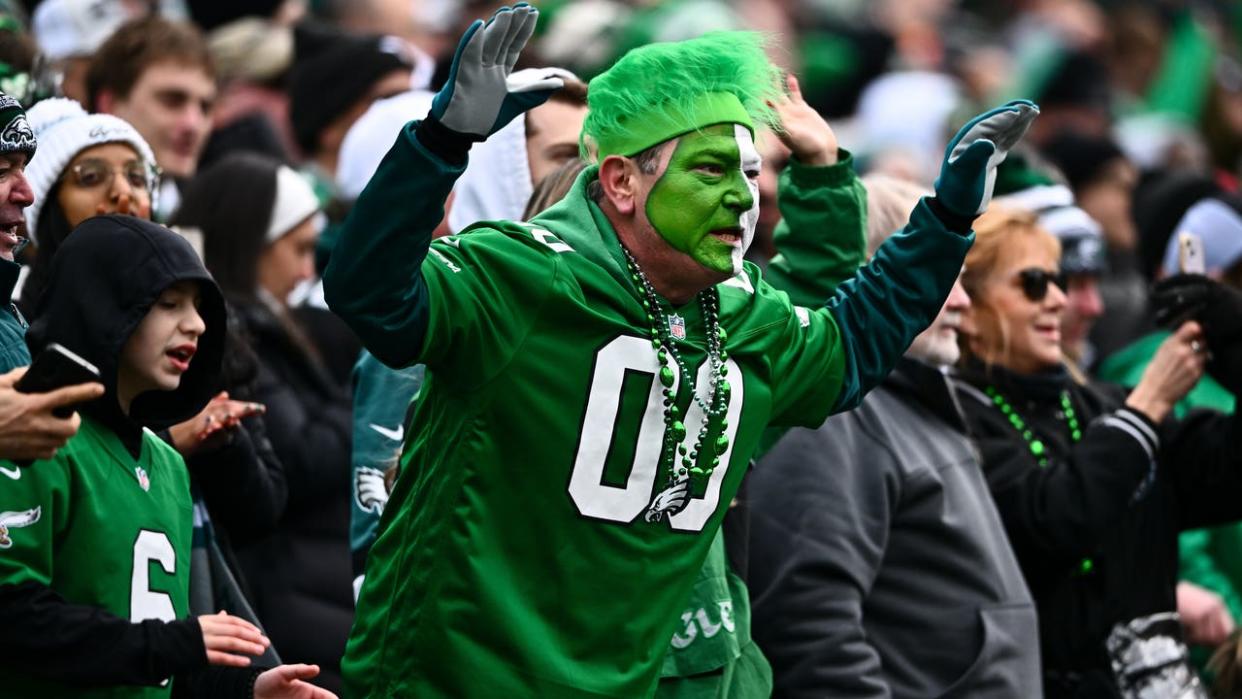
[
  {"x": 524, "y": 551},
  {"x": 101, "y": 528}
]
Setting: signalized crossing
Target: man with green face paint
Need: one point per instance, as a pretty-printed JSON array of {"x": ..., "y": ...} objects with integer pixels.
[
  {"x": 706, "y": 203},
  {"x": 598, "y": 377}
]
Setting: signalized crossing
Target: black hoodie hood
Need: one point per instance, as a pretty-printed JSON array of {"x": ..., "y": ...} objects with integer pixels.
[{"x": 103, "y": 280}]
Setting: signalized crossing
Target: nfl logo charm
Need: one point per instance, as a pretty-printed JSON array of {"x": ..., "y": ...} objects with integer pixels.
[
  {"x": 677, "y": 327},
  {"x": 143, "y": 480}
]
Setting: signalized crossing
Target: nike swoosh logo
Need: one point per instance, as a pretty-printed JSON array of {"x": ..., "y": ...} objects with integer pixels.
[
  {"x": 395, "y": 435},
  {"x": 14, "y": 473}
]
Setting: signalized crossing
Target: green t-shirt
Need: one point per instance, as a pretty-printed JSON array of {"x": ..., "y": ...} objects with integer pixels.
[{"x": 100, "y": 528}]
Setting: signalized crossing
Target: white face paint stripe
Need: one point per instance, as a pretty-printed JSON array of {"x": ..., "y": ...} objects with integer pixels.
[{"x": 750, "y": 161}]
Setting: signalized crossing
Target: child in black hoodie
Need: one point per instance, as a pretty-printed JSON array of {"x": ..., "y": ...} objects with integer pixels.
[{"x": 95, "y": 543}]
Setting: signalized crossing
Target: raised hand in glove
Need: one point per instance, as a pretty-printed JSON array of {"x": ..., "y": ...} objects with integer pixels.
[
  {"x": 1217, "y": 308},
  {"x": 483, "y": 93},
  {"x": 968, "y": 172}
]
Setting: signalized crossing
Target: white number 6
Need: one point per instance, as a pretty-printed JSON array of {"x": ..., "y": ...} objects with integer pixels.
[{"x": 145, "y": 603}]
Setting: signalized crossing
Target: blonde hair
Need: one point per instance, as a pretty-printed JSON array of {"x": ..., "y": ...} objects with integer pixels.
[
  {"x": 997, "y": 234},
  {"x": 1002, "y": 236},
  {"x": 889, "y": 203}
]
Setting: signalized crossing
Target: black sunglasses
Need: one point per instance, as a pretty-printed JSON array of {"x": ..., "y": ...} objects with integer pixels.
[{"x": 1035, "y": 282}]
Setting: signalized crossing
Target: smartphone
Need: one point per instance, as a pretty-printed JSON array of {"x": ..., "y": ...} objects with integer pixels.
[
  {"x": 57, "y": 367},
  {"x": 1190, "y": 256}
]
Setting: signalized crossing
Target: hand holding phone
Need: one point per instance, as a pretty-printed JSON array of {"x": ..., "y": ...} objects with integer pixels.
[{"x": 57, "y": 367}]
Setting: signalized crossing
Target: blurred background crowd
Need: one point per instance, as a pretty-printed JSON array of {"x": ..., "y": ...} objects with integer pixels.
[{"x": 250, "y": 127}]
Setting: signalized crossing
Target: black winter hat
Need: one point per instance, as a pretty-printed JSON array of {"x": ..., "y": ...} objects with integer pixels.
[
  {"x": 209, "y": 14},
  {"x": 325, "y": 84},
  {"x": 1081, "y": 158}
]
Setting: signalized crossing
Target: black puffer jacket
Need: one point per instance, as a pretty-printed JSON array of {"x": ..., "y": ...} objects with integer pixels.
[
  {"x": 300, "y": 575},
  {"x": 1095, "y": 530}
]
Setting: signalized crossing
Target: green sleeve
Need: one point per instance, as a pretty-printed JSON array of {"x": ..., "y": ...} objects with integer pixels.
[
  {"x": 845, "y": 349},
  {"x": 894, "y": 298},
  {"x": 487, "y": 287},
  {"x": 821, "y": 239},
  {"x": 33, "y": 512},
  {"x": 374, "y": 278},
  {"x": 1197, "y": 564},
  {"x": 463, "y": 297}
]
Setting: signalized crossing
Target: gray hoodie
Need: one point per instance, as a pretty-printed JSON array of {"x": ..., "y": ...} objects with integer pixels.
[{"x": 879, "y": 566}]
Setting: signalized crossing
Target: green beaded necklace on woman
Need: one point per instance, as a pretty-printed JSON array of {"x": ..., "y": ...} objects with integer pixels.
[
  {"x": 1038, "y": 449},
  {"x": 715, "y": 407}
]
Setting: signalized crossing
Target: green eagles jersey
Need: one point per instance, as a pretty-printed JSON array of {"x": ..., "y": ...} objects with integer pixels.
[
  {"x": 525, "y": 555},
  {"x": 381, "y": 400},
  {"x": 100, "y": 528}
]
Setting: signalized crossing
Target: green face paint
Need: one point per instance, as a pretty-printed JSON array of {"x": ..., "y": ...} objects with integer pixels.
[{"x": 706, "y": 204}]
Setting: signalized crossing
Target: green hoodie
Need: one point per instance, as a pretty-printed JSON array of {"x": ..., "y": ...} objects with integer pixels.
[{"x": 524, "y": 558}]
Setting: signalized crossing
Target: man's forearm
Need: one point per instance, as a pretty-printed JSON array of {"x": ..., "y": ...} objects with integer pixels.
[
  {"x": 896, "y": 296},
  {"x": 374, "y": 279}
]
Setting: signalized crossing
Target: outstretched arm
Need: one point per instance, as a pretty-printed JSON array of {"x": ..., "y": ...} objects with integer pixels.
[
  {"x": 374, "y": 280},
  {"x": 899, "y": 293}
]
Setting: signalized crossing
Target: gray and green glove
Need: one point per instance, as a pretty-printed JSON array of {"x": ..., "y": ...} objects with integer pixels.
[
  {"x": 968, "y": 173},
  {"x": 483, "y": 93}
]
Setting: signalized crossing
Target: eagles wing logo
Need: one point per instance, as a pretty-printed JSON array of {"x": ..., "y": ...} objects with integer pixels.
[
  {"x": 16, "y": 520},
  {"x": 669, "y": 501},
  {"x": 17, "y": 136},
  {"x": 369, "y": 490}
]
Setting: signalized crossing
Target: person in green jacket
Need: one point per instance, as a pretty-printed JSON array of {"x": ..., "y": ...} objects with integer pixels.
[{"x": 598, "y": 377}]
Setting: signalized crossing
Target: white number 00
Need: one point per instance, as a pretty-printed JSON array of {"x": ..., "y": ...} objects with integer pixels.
[{"x": 597, "y": 499}]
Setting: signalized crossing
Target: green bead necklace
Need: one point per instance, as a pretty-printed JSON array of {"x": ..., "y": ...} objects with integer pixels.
[
  {"x": 714, "y": 407},
  {"x": 1037, "y": 447}
]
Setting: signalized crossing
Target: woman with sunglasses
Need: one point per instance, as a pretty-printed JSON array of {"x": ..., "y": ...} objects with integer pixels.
[
  {"x": 1093, "y": 485},
  {"x": 86, "y": 165}
]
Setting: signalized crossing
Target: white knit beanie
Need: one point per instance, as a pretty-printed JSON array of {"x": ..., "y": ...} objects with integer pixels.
[
  {"x": 69, "y": 28},
  {"x": 295, "y": 202},
  {"x": 63, "y": 130}
]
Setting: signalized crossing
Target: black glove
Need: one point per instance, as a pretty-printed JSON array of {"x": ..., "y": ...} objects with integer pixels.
[{"x": 1217, "y": 308}]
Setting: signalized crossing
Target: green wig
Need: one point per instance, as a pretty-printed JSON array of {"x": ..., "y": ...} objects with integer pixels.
[{"x": 661, "y": 91}]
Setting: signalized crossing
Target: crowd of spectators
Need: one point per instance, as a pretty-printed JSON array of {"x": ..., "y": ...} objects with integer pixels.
[{"x": 1056, "y": 459}]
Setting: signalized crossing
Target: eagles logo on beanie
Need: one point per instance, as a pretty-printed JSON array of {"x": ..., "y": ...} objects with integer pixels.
[{"x": 16, "y": 136}]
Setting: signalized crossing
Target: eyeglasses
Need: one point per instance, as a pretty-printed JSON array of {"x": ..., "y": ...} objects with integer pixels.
[
  {"x": 1035, "y": 282},
  {"x": 95, "y": 172}
]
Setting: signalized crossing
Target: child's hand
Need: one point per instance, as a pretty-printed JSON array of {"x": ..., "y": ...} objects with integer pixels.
[
  {"x": 227, "y": 638},
  {"x": 285, "y": 682},
  {"x": 209, "y": 429}
]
